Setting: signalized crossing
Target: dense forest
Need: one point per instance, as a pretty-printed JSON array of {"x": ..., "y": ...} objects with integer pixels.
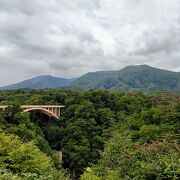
[{"x": 103, "y": 135}]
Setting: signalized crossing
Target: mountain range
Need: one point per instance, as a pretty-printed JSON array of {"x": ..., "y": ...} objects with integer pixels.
[
  {"x": 40, "y": 82},
  {"x": 131, "y": 78}
]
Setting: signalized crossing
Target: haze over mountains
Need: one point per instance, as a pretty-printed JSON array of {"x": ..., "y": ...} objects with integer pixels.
[
  {"x": 40, "y": 82},
  {"x": 131, "y": 78}
]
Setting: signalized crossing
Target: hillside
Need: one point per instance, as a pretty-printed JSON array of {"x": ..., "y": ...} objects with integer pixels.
[
  {"x": 40, "y": 82},
  {"x": 131, "y": 78}
]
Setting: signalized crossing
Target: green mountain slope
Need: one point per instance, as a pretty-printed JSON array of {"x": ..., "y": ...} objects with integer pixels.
[
  {"x": 40, "y": 82},
  {"x": 131, "y": 78}
]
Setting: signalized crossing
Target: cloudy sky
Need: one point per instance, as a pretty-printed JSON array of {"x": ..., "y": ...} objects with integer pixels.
[{"x": 68, "y": 38}]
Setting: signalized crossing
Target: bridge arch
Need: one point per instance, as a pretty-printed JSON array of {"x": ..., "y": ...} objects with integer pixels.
[
  {"x": 45, "y": 111},
  {"x": 50, "y": 110}
]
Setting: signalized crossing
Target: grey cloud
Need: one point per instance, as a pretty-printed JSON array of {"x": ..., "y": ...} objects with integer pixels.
[
  {"x": 69, "y": 38},
  {"x": 159, "y": 41}
]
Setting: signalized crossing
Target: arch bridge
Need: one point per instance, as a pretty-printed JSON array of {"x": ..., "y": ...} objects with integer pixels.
[{"x": 50, "y": 110}]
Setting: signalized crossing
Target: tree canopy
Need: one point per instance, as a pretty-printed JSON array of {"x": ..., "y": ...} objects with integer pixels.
[{"x": 102, "y": 135}]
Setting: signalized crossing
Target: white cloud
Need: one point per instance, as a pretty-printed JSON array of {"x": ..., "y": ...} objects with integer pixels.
[{"x": 69, "y": 38}]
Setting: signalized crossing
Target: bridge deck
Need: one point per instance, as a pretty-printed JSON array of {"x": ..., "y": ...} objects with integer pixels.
[{"x": 51, "y": 110}]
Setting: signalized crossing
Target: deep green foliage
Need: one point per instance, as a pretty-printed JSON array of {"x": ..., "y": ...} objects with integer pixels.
[
  {"x": 124, "y": 135},
  {"x": 132, "y": 78}
]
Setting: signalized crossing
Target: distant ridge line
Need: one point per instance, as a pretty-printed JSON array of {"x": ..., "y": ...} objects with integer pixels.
[{"x": 131, "y": 78}]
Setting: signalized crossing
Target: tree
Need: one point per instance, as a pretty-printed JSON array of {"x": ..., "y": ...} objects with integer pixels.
[{"x": 19, "y": 157}]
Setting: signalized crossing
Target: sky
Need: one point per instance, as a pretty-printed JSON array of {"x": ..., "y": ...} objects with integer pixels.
[{"x": 68, "y": 38}]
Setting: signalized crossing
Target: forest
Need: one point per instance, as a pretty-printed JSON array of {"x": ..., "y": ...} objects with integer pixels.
[{"x": 103, "y": 135}]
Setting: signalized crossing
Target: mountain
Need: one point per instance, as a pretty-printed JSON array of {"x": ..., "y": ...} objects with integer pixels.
[
  {"x": 131, "y": 78},
  {"x": 40, "y": 82}
]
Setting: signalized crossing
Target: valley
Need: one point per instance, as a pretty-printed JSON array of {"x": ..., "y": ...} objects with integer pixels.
[{"x": 101, "y": 135}]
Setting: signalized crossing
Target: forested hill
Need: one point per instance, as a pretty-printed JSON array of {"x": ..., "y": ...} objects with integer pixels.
[
  {"x": 132, "y": 78},
  {"x": 40, "y": 82},
  {"x": 103, "y": 135}
]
